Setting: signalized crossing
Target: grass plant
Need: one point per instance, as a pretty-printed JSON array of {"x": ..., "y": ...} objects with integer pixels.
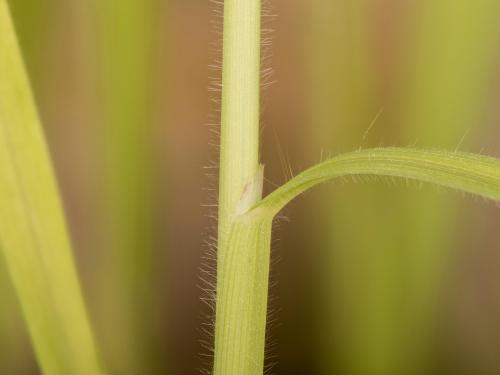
[
  {"x": 33, "y": 234},
  {"x": 245, "y": 220}
]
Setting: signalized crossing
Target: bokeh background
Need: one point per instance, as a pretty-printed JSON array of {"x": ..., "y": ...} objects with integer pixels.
[{"x": 371, "y": 277}]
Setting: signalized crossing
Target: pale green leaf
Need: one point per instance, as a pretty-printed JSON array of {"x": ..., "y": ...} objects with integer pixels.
[
  {"x": 244, "y": 269},
  {"x": 33, "y": 235},
  {"x": 471, "y": 173}
]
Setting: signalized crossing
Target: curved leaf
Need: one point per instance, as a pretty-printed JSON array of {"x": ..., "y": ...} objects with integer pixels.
[
  {"x": 472, "y": 173},
  {"x": 244, "y": 271}
]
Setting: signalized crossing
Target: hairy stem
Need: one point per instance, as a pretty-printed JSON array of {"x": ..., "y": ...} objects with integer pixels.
[
  {"x": 239, "y": 144},
  {"x": 239, "y": 164}
]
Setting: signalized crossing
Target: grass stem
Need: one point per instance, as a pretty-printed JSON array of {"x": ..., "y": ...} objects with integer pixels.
[{"x": 239, "y": 164}]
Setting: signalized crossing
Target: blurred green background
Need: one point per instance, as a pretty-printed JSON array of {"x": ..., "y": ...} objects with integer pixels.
[{"x": 377, "y": 277}]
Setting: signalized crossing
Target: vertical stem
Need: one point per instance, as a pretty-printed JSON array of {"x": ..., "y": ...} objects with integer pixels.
[
  {"x": 239, "y": 153},
  {"x": 239, "y": 164}
]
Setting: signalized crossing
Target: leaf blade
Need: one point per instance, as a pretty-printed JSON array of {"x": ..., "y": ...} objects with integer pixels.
[
  {"x": 33, "y": 234},
  {"x": 243, "y": 275},
  {"x": 471, "y": 173}
]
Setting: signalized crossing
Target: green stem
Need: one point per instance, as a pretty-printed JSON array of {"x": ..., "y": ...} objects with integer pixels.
[
  {"x": 239, "y": 164},
  {"x": 239, "y": 155},
  {"x": 33, "y": 234}
]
